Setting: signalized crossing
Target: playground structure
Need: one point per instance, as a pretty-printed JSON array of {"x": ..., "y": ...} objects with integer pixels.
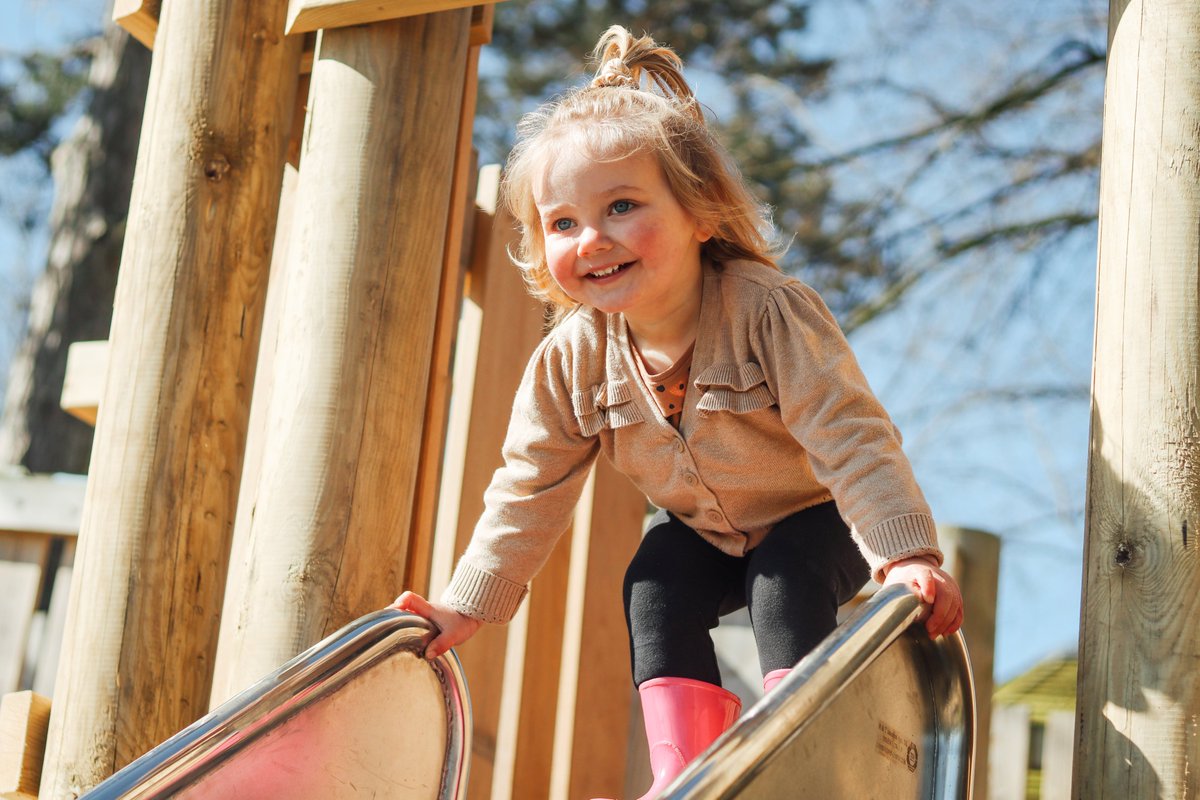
[
  {"x": 220, "y": 537},
  {"x": 898, "y": 706}
]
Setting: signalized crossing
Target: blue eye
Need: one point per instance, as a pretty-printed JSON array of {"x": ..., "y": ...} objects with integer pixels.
[
  {"x": 562, "y": 224},
  {"x": 622, "y": 206}
]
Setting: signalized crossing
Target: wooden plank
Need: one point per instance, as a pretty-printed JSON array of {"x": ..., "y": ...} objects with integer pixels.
[
  {"x": 594, "y": 698},
  {"x": 45, "y": 504},
  {"x": 1009, "y": 763},
  {"x": 24, "y": 717},
  {"x": 541, "y": 652},
  {"x": 1138, "y": 693},
  {"x": 139, "y": 17},
  {"x": 311, "y": 15},
  {"x": 83, "y": 383},
  {"x": 329, "y": 530},
  {"x": 158, "y": 515},
  {"x": 973, "y": 558},
  {"x": 437, "y": 400},
  {"x": 483, "y": 18},
  {"x": 46, "y": 666},
  {"x": 1058, "y": 749},
  {"x": 22, "y": 557},
  {"x": 489, "y": 365}
]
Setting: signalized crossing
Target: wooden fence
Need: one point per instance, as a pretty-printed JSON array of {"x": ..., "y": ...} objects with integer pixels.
[{"x": 1030, "y": 760}]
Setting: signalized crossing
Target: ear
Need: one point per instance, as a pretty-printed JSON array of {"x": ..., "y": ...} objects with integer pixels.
[{"x": 704, "y": 232}]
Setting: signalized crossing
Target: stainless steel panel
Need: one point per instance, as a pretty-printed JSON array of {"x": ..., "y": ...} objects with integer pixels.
[
  {"x": 877, "y": 711},
  {"x": 362, "y": 714}
]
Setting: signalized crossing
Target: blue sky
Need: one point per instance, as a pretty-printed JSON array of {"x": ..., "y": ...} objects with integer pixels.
[{"x": 1016, "y": 468}]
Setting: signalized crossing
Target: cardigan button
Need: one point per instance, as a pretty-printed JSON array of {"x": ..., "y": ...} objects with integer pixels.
[
  {"x": 716, "y": 516},
  {"x": 679, "y": 445},
  {"x": 690, "y": 478}
]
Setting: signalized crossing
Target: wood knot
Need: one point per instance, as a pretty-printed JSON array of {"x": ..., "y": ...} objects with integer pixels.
[
  {"x": 217, "y": 168},
  {"x": 1123, "y": 555}
]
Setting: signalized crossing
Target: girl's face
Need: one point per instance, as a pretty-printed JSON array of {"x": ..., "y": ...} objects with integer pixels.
[{"x": 615, "y": 236}]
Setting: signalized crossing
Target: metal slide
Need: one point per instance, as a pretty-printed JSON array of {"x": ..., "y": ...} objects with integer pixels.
[
  {"x": 360, "y": 715},
  {"x": 877, "y": 711}
]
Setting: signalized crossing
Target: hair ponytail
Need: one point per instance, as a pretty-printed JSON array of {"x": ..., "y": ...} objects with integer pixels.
[{"x": 623, "y": 60}]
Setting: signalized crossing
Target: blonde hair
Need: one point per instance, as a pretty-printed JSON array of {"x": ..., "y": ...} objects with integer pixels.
[{"x": 614, "y": 117}]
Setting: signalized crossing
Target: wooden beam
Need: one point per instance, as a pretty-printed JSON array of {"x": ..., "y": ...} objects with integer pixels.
[
  {"x": 87, "y": 363},
  {"x": 51, "y": 505},
  {"x": 158, "y": 515},
  {"x": 311, "y": 15},
  {"x": 482, "y": 20},
  {"x": 1139, "y": 641},
  {"x": 329, "y": 533},
  {"x": 139, "y": 17},
  {"x": 24, "y": 717}
]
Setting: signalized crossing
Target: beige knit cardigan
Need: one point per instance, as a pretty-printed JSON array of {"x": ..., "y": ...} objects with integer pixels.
[{"x": 779, "y": 418}]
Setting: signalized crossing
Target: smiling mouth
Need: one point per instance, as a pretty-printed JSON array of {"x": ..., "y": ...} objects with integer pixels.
[{"x": 608, "y": 271}]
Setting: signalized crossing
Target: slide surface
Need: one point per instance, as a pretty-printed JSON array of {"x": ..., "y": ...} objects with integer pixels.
[{"x": 878, "y": 710}]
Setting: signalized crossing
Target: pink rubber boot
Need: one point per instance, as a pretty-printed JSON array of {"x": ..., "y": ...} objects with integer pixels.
[
  {"x": 773, "y": 677},
  {"x": 683, "y": 717}
]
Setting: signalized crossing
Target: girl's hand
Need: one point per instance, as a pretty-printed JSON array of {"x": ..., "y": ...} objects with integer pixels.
[
  {"x": 455, "y": 628},
  {"x": 934, "y": 587}
]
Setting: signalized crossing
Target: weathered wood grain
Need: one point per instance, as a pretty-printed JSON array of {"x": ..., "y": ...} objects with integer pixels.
[
  {"x": 1139, "y": 642},
  {"x": 150, "y": 571},
  {"x": 310, "y": 15},
  {"x": 333, "y": 500}
]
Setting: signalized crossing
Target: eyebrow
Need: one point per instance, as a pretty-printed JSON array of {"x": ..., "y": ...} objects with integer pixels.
[{"x": 612, "y": 190}]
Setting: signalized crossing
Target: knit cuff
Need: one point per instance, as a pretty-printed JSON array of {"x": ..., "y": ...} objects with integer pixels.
[
  {"x": 482, "y": 595},
  {"x": 899, "y": 537}
]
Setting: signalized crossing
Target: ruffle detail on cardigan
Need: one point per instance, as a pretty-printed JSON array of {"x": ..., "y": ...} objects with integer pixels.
[
  {"x": 739, "y": 388},
  {"x": 605, "y": 405}
]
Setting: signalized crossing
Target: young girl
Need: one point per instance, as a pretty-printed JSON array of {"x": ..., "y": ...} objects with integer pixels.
[{"x": 722, "y": 387}]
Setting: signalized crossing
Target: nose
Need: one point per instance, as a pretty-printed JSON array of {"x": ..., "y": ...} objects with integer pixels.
[{"x": 592, "y": 239}]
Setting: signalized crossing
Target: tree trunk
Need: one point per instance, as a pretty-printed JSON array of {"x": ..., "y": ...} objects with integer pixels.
[{"x": 72, "y": 300}]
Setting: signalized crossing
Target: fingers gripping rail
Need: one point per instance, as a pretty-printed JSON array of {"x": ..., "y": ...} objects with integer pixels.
[
  {"x": 878, "y": 710},
  {"x": 360, "y": 712}
]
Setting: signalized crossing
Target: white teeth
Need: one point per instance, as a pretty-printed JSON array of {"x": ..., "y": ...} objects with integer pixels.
[{"x": 605, "y": 272}]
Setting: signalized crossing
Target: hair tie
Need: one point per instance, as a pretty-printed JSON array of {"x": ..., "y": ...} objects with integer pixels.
[{"x": 615, "y": 72}]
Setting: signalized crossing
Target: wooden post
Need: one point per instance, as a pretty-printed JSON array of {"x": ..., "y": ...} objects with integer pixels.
[
  {"x": 973, "y": 558},
  {"x": 149, "y": 579},
  {"x": 329, "y": 525},
  {"x": 1139, "y": 640}
]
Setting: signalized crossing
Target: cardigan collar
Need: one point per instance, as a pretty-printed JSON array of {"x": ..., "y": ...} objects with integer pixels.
[{"x": 620, "y": 370}]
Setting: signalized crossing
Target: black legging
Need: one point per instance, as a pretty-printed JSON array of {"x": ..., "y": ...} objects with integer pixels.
[{"x": 678, "y": 585}]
